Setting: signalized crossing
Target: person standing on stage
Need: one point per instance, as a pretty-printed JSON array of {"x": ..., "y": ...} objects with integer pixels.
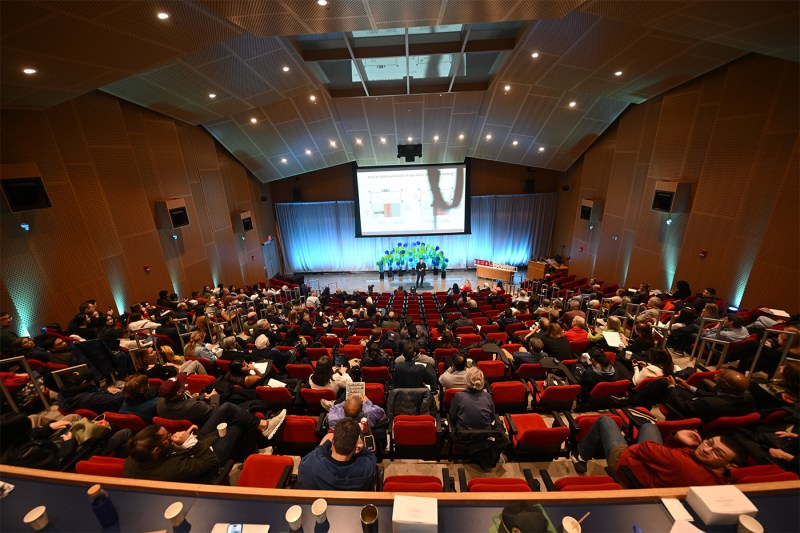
[{"x": 421, "y": 268}]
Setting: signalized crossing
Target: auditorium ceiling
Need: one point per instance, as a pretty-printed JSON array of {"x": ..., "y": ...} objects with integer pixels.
[{"x": 291, "y": 86}]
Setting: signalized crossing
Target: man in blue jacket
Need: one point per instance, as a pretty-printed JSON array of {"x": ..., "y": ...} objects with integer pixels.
[{"x": 340, "y": 462}]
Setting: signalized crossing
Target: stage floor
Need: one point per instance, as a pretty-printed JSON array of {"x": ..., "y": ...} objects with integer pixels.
[{"x": 360, "y": 280}]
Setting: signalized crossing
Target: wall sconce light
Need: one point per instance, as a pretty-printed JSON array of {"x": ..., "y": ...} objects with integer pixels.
[
  {"x": 669, "y": 221},
  {"x": 174, "y": 237}
]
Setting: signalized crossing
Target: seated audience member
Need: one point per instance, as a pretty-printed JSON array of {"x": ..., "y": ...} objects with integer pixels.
[
  {"x": 708, "y": 296},
  {"x": 577, "y": 332},
  {"x": 651, "y": 312},
  {"x": 409, "y": 373},
  {"x": 682, "y": 290},
  {"x": 613, "y": 324},
  {"x": 465, "y": 320},
  {"x": 263, "y": 352},
  {"x": 732, "y": 329},
  {"x": 181, "y": 457},
  {"x": 699, "y": 462},
  {"x": 729, "y": 397},
  {"x": 544, "y": 309},
  {"x": 206, "y": 408},
  {"x": 375, "y": 357},
  {"x": 473, "y": 407},
  {"x": 147, "y": 362},
  {"x": 418, "y": 356},
  {"x": 534, "y": 356},
  {"x": 82, "y": 327},
  {"x": 58, "y": 351},
  {"x": 327, "y": 376},
  {"x": 593, "y": 368},
  {"x": 765, "y": 321},
  {"x": 81, "y": 392},
  {"x": 782, "y": 392},
  {"x": 659, "y": 363},
  {"x": 555, "y": 344},
  {"x": 642, "y": 342},
  {"x": 340, "y": 462},
  {"x": 139, "y": 399},
  {"x": 455, "y": 377},
  {"x": 505, "y": 319},
  {"x": 7, "y": 335},
  {"x": 391, "y": 322},
  {"x": 196, "y": 347},
  {"x": 574, "y": 311},
  {"x": 243, "y": 374}
]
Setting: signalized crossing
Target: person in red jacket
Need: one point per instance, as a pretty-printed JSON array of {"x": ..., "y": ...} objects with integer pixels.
[{"x": 697, "y": 462}]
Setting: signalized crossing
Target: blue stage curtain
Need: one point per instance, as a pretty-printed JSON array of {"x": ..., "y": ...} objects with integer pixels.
[{"x": 508, "y": 229}]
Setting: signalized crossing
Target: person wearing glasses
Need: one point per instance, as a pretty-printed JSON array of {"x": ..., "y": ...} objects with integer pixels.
[{"x": 696, "y": 461}]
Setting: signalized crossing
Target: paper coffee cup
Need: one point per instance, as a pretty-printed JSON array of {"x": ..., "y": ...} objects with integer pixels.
[
  {"x": 175, "y": 513},
  {"x": 222, "y": 429},
  {"x": 318, "y": 509},
  {"x": 570, "y": 525},
  {"x": 37, "y": 518},
  {"x": 295, "y": 517},
  {"x": 628, "y": 355},
  {"x": 748, "y": 524}
]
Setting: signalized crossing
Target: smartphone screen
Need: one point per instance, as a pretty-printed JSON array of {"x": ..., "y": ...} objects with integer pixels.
[
  {"x": 234, "y": 528},
  {"x": 369, "y": 442}
]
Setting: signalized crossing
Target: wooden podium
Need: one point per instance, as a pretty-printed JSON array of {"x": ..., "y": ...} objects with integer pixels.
[{"x": 536, "y": 270}]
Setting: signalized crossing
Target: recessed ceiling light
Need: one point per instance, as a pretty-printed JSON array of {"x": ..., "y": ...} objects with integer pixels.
[
  {"x": 507, "y": 88},
  {"x": 313, "y": 98},
  {"x": 435, "y": 138},
  {"x": 535, "y": 55},
  {"x": 283, "y": 160},
  {"x": 541, "y": 148},
  {"x": 410, "y": 139},
  {"x": 461, "y": 137},
  {"x": 383, "y": 140},
  {"x": 286, "y": 69},
  {"x": 322, "y": 2},
  {"x": 308, "y": 152},
  {"x": 515, "y": 143},
  {"x": 488, "y": 136},
  {"x": 163, "y": 15},
  {"x": 618, "y": 73},
  {"x": 358, "y": 141},
  {"x": 573, "y": 103},
  {"x": 212, "y": 95},
  {"x": 29, "y": 70},
  {"x": 253, "y": 120},
  {"x": 333, "y": 144}
]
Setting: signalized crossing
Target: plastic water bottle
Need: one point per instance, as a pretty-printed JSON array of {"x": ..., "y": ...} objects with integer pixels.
[{"x": 102, "y": 506}]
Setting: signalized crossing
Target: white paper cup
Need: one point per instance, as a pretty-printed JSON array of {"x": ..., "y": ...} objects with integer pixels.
[
  {"x": 570, "y": 525},
  {"x": 318, "y": 509},
  {"x": 628, "y": 355},
  {"x": 295, "y": 517},
  {"x": 36, "y": 518},
  {"x": 748, "y": 524},
  {"x": 175, "y": 513},
  {"x": 222, "y": 429}
]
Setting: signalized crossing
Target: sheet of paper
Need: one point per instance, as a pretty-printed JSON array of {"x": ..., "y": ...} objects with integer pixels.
[
  {"x": 676, "y": 509},
  {"x": 415, "y": 510},
  {"x": 262, "y": 367},
  {"x": 275, "y": 383},
  {"x": 612, "y": 339},
  {"x": 682, "y": 526}
]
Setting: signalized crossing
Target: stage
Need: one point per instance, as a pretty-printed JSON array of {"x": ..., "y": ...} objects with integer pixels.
[{"x": 360, "y": 280}]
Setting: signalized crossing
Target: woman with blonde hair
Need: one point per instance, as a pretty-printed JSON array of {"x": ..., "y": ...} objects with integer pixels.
[{"x": 197, "y": 348}]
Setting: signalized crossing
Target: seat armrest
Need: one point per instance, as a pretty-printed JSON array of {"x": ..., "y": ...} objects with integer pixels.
[
  {"x": 447, "y": 481},
  {"x": 504, "y": 358},
  {"x": 322, "y": 423},
  {"x": 512, "y": 427},
  {"x": 379, "y": 483},
  {"x": 632, "y": 420},
  {"x": 557, "y": 422},
  {"x": 613, "y": 475},
  {"x": 573, "y": 425},
  {"x": 222, "y": 476},
  {"x": 532, "y": 482},
  {"x": 462, "y": 480},
  {"x": 548, "y": 481},
  {"x": 283, "y": 481},
  {"x": 535, "y": 386}
]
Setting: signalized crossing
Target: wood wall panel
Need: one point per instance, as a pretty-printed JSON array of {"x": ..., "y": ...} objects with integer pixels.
[
  {"x": 105, "y": 164},
  {"x": 705, "y": 132}
]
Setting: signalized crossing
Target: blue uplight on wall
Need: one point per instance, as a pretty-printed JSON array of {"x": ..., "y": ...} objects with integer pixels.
[{"x": 25, "y": 227}]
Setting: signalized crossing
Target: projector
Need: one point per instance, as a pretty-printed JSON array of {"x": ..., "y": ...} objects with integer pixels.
[{"x": 409, "y": 151}]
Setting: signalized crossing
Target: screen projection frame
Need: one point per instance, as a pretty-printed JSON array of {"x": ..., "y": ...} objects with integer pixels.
[{"x": 467, "y": 199}]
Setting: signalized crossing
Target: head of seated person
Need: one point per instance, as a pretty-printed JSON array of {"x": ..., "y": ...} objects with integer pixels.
[
  {"x": 536, "y": 345},
  {"x": 475, "y": 379},
  {"x": 720, "y": 453},
  {"x": 352, "y": 406},
  {"x": 410, "y": 350},
  {"x": 345, "y": 438},
  {"x": 732, "y": 382},
  {"x": 459, "y": 362}
]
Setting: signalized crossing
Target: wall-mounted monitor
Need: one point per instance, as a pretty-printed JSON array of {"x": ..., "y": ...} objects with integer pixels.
[
  {"x": 591, "y": 210},
  {"x": 25, "y": 194},
  {"x": 412, "y": 200},
  {"x": 247, "y": 224},
  {"x": 586, "y": 212}
]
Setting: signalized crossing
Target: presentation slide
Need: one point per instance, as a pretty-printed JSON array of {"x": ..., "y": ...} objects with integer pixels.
[{"x": 425, "y": 200}]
